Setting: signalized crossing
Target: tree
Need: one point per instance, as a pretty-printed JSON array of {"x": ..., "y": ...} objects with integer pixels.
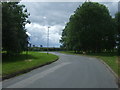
[
  {"x": 14, "y": 18},
  {"x": 90, "y": 29},
  {"x": 117, "y": 20}
]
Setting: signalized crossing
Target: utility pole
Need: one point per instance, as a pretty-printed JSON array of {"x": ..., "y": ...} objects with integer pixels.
[{"x": 48, "y": 41}]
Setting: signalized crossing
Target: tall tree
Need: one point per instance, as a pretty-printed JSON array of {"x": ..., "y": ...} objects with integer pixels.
[
  {"x": 90, "y": 29},
  {"x": 117, "y": 19},
  {"x": 14, "y": 18}
]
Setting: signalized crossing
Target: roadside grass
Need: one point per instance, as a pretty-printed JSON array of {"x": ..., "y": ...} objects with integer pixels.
[
  {"x": 12, "y": 64},
  {"x": 68, "y": 52},
  {"x": 109, "y": 58},
  {"x": 0, "y": 69},
  {"x": 0, "y": 63}
]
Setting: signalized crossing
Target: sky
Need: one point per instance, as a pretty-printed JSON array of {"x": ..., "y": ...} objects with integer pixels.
[{"x": 54, "y": 15}]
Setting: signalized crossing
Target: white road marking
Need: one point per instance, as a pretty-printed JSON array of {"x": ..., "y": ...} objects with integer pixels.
[{"x": 35, "y": 77}]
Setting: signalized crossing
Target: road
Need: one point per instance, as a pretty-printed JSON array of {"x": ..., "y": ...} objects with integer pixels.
[{"x": 70, "y": 71}]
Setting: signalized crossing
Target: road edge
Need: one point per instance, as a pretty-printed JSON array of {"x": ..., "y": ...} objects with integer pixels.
[
  {"x": 26, "y": 70},
  {"x": 117, "y": 78},
  {"x": 110, "y": 69}
]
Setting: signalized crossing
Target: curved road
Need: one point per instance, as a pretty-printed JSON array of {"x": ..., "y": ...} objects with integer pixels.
[{"x": 70, "y": 71}]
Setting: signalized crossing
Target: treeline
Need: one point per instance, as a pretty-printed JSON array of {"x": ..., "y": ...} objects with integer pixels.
[
  {"x": 14, "y": 18},
  {"x": 44, "y": 49},
  {"x": 92, "y": 29}
]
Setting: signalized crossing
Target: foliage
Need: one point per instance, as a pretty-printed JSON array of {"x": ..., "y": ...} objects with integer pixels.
[
  {"x": 12, "y": 64},
  {"x": 90, "y": 29},
  {"x": 14, "y": 18},
  {"x": 117, "y": 20},
  {"x": 44, "y": 49}
]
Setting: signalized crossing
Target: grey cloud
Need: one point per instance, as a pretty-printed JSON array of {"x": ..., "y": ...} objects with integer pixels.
[
  {"x": 112, "y": 6},
  {"x": 119, "y": 6},
  {"x": 38, "y": 34},
  {"x": 56, "y": 13}
]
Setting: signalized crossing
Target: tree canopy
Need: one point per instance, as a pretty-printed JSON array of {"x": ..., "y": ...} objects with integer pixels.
[
  {"x": 90, "y": 29},
  {"x": 14, "y": 18},
  {"x": 117, "y": 20}
]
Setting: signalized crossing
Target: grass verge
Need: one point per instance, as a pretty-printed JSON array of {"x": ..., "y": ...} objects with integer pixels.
[
  {"x": 111, "y": 59},
  {"x": 12, "y": 64}
]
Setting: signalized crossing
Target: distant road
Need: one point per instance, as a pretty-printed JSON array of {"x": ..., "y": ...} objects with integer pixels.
[{"x": 70, "y": 71}]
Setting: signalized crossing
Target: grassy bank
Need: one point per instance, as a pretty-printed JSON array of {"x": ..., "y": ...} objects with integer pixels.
[
  {"x": 11, "y": 64},
  {"x": 109, "y": 58}
]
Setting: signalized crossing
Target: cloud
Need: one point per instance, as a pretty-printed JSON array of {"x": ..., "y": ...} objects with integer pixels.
[
  {"x": 69, "y": 0},
  {"x": 55, "y": 15},
  {"x": 47, "y": 14},
  {"x": 38, "y": 34},
  {"x": 119, "y": 6},
  {"x": 50, "y": 13},
  {"x": 44, "y": 17},
  {"x": 112, "y": 6},
  {"x": 28, "y": 34}
]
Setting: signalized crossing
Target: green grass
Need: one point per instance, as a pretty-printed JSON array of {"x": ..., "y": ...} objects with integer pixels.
[
  {"x": 109, "y": 58},
  {"x": 68, "y": 52},
  {"x": 11, "y": 64},
  {"x": 0, "y": 69}
]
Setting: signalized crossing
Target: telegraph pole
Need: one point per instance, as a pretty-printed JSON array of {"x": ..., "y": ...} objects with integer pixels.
[{"x": 48, "y": 41}]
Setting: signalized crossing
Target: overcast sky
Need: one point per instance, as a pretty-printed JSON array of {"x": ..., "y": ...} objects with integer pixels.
[{"x": 55, "y": 15}]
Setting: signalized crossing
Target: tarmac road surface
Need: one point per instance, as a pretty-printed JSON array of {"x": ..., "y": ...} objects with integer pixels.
[{"x": 70, "y": 71}]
